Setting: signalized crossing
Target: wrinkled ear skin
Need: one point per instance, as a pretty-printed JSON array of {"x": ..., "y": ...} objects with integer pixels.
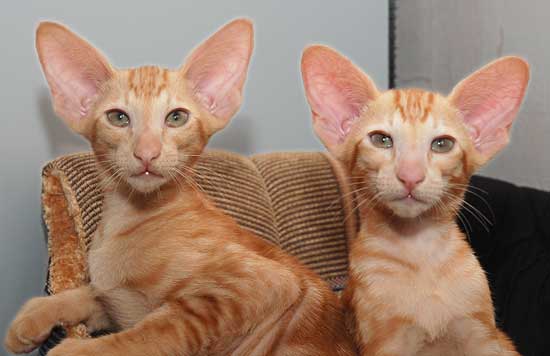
[
  {"x": 488, "y": 102},
  {"x": 75, "y": 72},
  {"x": 337, "y": 91},
  {"x": 216, "y": 71}
]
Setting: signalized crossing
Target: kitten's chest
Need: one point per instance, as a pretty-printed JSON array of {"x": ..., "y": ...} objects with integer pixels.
[
  {"x": 137, "y": 257},
  {"x": 430, "y": 282},
  {"x": 116, "y": 260},
  {"x": 109, "y": 262},
  {"x": 109, "y": 266},
  {"x": 112, "y": 258}
]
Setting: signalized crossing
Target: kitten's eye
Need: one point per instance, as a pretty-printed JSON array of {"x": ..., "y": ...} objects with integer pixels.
[
  {"x": 177, "y": 118},
  {"x": 118, "y": 118},
  {"x": 442, "y": 144},
  {"x": 381, "y": 140}
]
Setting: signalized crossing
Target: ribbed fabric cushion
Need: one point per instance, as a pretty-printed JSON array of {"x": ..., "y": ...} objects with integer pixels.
[
  {"x": 235, "y": 185},
  {"x": 78, "y": 175},
  {"x": 308, "y": 212}
]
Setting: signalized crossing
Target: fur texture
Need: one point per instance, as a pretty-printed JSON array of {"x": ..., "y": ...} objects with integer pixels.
[
  {"x": 415, "y": 285},
  {"x": 169, "y": 272}
]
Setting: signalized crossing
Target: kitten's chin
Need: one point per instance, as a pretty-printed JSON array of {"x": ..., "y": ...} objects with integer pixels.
[
  {"x": 407, "y": 208},
  {"x": 146, "y": 183}
]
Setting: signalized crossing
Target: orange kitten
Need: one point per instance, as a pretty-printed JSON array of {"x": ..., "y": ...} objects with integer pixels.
[
  {"x": 168, "y": 270},
  {"x": 415, "y": 286}
]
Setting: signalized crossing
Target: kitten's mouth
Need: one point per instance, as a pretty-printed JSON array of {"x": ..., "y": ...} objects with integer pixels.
[
  {"x": 147, "y": 173},
  {"x": 409, "y": 199}
]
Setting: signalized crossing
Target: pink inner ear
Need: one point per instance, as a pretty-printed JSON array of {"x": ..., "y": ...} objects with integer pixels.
[
  {"x": 217, "y": 85},
  {"x": 74, "y": 70},
  {"x": 334, "y": 110},
  {"x": 73, "y": 88},
  {"x": 489, "y": 100},
  {"x": 217, "y": 69},
  {"x": 337, "y": 92},
  {"x": 487, "y": 117}
]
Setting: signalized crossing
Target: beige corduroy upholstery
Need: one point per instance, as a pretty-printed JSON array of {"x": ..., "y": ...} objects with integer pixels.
[{"x": 294, "y": 200}]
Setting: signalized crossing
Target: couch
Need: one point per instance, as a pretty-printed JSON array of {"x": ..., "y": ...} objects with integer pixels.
[{"x": 300, "y": 202}]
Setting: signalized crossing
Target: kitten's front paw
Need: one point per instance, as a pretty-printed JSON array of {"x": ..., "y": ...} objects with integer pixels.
[
  {"x": 75, "y": 347},
  {"x": 31, "y": 326}
]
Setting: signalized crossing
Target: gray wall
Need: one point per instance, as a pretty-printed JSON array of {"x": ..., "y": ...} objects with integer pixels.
[
  {"x": 131, "y": 33},
  {"x": 440, "y": 42}
]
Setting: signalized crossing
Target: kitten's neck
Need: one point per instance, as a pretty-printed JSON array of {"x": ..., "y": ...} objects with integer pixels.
[
  {"x": 146, "y": 202},
  {"x": 123, "y": 209},
  {"x": 375, "y": 222}
]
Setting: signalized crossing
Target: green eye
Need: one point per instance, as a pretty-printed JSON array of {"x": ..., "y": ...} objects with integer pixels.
[
  {"x": 177, "y": 118},
  {"x": 442, "y": 144},
  {"x": 118, "y": 118},
  {"x": 381, "y": 140}
]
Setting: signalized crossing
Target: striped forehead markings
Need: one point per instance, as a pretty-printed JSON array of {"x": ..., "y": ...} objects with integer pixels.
[
  {"x": 413, "y": 104},
  {"x": 147, "y": 81}
]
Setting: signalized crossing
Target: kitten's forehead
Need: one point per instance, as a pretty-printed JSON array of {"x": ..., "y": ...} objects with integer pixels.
[
  {"x": 146, "y": 89},
  {"x": 414, "y": 105},
  {"x": 416, "y": 108},
  {"x": 148, "y": 81}
]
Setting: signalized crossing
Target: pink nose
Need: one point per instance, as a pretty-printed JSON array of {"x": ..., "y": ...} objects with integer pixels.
[
  {"x": 147, "y": 148},
  {"x": 411, "y": 175},
  {"x": 146, "y": 156}
]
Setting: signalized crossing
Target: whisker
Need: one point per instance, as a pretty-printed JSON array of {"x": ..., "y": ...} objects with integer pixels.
[
  {"x": 342, "y": 196},
  {"x": 469, "y": 186},
  {"x": 482, "y": 219},
  {"x": 106, "y": 182},
  {"x": 190, "y": 177},
  {"x": 465, "y": 224},
  {"x": 189, "y": 180},
  {"x": 479, "y": 212},
  {"x": 489, "y": 207},
  {"x": 196, "y": 172},
  {"x": 370, "y": 202}
]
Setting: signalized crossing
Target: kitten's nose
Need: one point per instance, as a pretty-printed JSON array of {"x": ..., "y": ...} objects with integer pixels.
[
  {"x": 410, "y": 175},
  {"x": 147, "y": 149},
  {"x": 146, "y": 157}
]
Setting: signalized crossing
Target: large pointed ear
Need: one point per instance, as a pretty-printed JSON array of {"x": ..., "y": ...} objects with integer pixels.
[
  {"x": 489, "y": 100},
  {"x": 337, "y": 92},
  {"x": 217, "y": 69},
  {"x": 75, "y": 72}
]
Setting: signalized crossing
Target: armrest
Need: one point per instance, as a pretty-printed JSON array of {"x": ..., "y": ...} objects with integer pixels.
[{"x": 64, "y": 190}]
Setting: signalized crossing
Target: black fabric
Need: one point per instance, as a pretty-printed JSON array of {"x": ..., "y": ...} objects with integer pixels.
[
  {"x": 56, "y": 336},
  {"x": 514, "y": 250}
]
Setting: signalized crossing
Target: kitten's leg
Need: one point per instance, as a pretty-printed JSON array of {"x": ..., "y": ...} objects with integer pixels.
[
  {"x": 390, "y": 337},
  {"x": 479, "y": 336},
  {"x": 38, "y": 316},
  {"x": 181, "y": 327}
]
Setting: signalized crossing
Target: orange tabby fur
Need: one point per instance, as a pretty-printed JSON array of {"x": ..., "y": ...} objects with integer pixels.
[
  {"x": 415, "y": 286},
  {"x": 169, "y": 271}
]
